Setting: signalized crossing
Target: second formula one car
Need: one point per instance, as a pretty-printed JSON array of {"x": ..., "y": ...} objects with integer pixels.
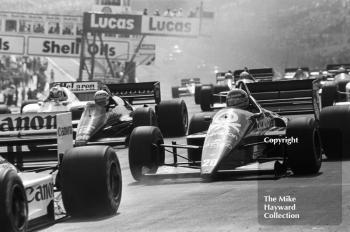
[{"x": 241, "y": 134}]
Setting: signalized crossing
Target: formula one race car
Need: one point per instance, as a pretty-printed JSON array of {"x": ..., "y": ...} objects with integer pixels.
[
  {"x": 89, "y": 178},
  {"x": 111, "y": 118},
  {"x": 64, "y": 97},
  {"x": 241, "y": 134},
  {"x": 335, "y": 87},
  {"x": 187, "y": 87}
]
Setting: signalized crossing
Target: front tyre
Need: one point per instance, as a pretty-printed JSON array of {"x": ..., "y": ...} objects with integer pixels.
[
  {"x": 13, "y": 202},
  {"x": 145, "y": 153},
  {"x": 172, "y": 117},
  {"x": 91, "y": 181}
]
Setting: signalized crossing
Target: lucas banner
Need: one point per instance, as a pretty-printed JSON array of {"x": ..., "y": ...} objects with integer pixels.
[
  {"x": 138, "y": 24},
  {"x": 112, "y": 23},
  {"x": 166, "y": 26}
]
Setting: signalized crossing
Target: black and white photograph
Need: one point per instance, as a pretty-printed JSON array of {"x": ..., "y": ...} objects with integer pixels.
[{"x": 166, "y": 116}]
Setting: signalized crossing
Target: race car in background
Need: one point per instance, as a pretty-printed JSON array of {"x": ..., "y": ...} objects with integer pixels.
[
  {"x": 299, "y": 73},
  {"x": 210, "y": 97},
  {"x": 29, "y": 183},
  {"x": 228, "y": 141},
  {"x": 63, "y": 97},
  {"x": 335, "y": 86},
  {"x": 187, "y": 87}
]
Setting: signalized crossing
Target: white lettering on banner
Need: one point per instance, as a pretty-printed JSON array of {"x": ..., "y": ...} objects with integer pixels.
[
  {"x": 170, "y": 26},
  {"x": 111, "y": 23},
  {"x": 12, "y": 44},
  {"x": 40, "y": 46}
]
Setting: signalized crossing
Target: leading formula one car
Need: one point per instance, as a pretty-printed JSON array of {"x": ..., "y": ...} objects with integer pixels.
[
  {"x": 89, "y": 178},
  {"x": 236, "y": 136}
]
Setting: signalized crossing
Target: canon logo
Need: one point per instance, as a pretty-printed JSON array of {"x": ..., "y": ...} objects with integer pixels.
[{"x": 27, "y": 123}]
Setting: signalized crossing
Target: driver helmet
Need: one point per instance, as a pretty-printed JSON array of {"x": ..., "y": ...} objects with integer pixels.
[
  {"x": 244, "y": 75},
  {"x": 299, "y": 73},
  {"x": 237, "y": 98},
  {"x": 342, "y": 69},
  {"x": 57, "y": 94},
  {"x": 101, "y": 98}
]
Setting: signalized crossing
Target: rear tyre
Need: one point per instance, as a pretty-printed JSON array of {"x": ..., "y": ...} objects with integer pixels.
[
  {"x": 91, "y": 181},
  {"x": 199, "y": 122},
  {"x": 172, "y": 117},
  {"x": 144, "y": 116},
  {"x": 304, "y": 156},
  {"x": 335, "y": 131},
  {"x": 175, "y": 92},
  {"x": 145, "y": 154},
  {"x": 329, "y": 94},
  {"x": 197, "y": 94},
  {"x": 206, "y": 99},
  {"x": 4, "y": 109},
  {"x": 13, "y": 202}
]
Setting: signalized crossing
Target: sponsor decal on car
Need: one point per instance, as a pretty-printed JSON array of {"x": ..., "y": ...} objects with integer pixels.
[
  {"x": 27, "y": 122},
  {"x": 40, "y": 192}
]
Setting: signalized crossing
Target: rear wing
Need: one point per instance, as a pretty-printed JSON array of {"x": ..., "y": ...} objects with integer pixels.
[
  {"x": 261, "y": 74},
  {"x": 137, "y": 93},
  {"x": 285, "y": 97},
  {"x": 187, "y": 81},
  {"x": 83, "y": 90},
  {"x": 293, "y": 70},
  {"x": 332, "y": 68},
  {"x": 17, "y": 130}
]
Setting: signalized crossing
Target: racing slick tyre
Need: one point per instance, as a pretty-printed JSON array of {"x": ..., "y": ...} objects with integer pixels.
[
  {"x": 206, "y": 99},
  {"x": 197, "y": 94},
  {"x": 145, "y": 153},
  {"x": 175, "y": 92},
  {"x": 172, "y": 117},
  {"x": 4, "y": 109},
  {"x": 335, "y": 131},
  {"x": 199, "y": 122},
  {"x": 305, "y": 155},
  {"x": 329, "y": 94},
  {"x": 341, "y": 88},
  {"x": 13, "y": 202},
  {"x": 144, "y": 116},
  {"x": 24, "y": 103},
  {"x": 91, "y": 181}
]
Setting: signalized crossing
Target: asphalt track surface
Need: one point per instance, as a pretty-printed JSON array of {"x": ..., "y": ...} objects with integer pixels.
[{"x": 228, "y": 204}]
